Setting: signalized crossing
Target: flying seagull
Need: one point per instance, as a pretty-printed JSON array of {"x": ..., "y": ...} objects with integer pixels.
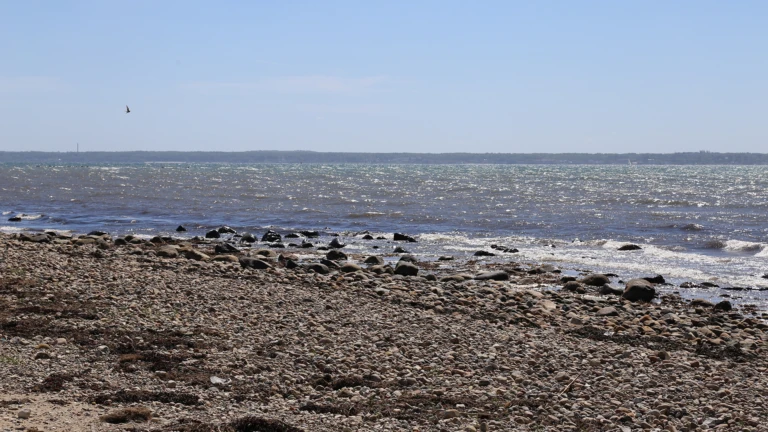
[{"x": 127, "y": 110}]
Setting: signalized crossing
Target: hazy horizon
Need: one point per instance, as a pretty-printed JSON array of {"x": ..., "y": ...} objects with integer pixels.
[{"x": 341, "y": 76}]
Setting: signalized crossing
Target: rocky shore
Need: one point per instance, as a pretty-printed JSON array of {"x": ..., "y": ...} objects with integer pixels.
[{"x": 100, "y": 333}]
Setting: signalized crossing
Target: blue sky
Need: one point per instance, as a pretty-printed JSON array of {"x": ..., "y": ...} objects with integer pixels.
[{"x": 396, "y": 76}]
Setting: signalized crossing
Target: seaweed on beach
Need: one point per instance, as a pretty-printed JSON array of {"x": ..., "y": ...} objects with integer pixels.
[
  {"x": 134, "y": 396},
  {"x": 244, "y": 424}
]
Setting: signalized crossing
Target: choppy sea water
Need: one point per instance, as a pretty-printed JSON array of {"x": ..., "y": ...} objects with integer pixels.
[{"x": 694, "y": 223}]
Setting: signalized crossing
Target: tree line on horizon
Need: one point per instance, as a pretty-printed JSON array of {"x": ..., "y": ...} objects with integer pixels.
[{"x": 277, "y": 156}]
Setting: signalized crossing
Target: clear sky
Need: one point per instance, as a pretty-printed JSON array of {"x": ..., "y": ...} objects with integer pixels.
[{"x": 386, "y": 76}]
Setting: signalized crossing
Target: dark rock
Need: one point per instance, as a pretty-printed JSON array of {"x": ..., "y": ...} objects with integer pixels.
[
  {"x": 639, "y": 290},
  {"x": 595, "y": 280},
  {"x": 702, "y": 303},
  {"x": 499, "y": 275},
  {"x": 35, "y": 238},
  {"x": 120, "y": 241},
  {"x": 565, "y": 279},
  {"x": 688, "y": 285},
  {"x": 336, "y": 255},
  {"x": 375, "y": 260},
  {"x": 319, "y": 268},
  {"x": 212, "y": 234},
  {"x": 481, "y": 253},
  {"x": 276, "y": 245},
  {"x": 430, "y": 277},
  {"x": 157, "y": 240},
  {"x": 248, "y": 238},
  {"x": 225, "y": 249},
  {"x": 254, "y": 263},
  {"x": 350, "y": 268},
  {"x": 306, "y": 245},
  {"x": 293, "y": 235},
  {"x": 381, "y": 238},
  {"x": 724, "y": 305},
  {"x": 406, "y": 268},
  {"x": 226, "y": 230},
  {"x": 658, "y": 279},
  {"x": 629, "y": 247},
  {"x": 408, "y": 258},
  {"x": 290, "y": 264},
  {"x": 609, "y": 290},
  {"x": 504, "y": 249},
  {"x": 335, "y": 243},
  {"x": 574, "y": 286},
  {"x": 310, "y": 234},
  {"x": 445, "y": 258},
  {"x": 710, "y": 285},
  {"x": 403, "y": 237},
  {"x": 765, "y": 276},
  {"x": 367, "y": 237},
  {"x": 399, "y": 249},
  {"x": 330, "y": 264},
  {"x": 323, "y": 248},
  {"x": 271, "y": 237},
  {"x": 379, "y": 269},
  {"x": 14, "y": 219},
  {"x": 167, "y": 252},
  {"x": 180, "y": 229}
]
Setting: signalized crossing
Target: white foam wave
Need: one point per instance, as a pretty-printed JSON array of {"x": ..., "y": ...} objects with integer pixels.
[{"x": 744, "y": 246}]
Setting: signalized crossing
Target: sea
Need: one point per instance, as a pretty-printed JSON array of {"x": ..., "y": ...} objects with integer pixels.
[{"x": 693, "y": 223}]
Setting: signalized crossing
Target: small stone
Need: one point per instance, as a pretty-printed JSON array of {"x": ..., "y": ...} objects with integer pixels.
[
  {"x": 24, "y": 414},
  {"x": 42, "y": 355},
  {"x": 61, "y": 341}
]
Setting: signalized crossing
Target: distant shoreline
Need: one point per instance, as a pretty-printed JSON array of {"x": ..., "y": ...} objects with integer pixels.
[{"x": 298, "y": 157}]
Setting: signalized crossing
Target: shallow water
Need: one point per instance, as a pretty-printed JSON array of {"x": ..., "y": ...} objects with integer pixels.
[{"x": 699, "y": 223}]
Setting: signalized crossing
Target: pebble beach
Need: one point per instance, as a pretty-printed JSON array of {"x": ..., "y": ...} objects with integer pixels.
[{"x": 102, "y": 333}]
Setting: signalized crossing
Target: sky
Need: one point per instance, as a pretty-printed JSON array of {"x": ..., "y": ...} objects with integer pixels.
[{"x": 391, "y": 76}]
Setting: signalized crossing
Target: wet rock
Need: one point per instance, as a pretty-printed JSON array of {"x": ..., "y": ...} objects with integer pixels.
[
  {"x": 35, "y": 238},
  {"x": 319, "y": 268},
  {"x": 574, "y": 286},
  {"x": 408, "y": 258},
  {"x": 400, "y": 249},
  {"x": 212, "y": 234},
  {"x": 336, "y": 255},
  {"x": 639, "y": 290},
  {"x": 335, "y": 243},
  {"x": 724, "y": 305},
  {"x": 225, "y": 248},
  {"x": 404, "y": 237},
  {"x": 226, "y": 230},
  {"x": 629, "y": 247},
  {"x": 406, "y": 268},
  {"x": 271, "y": 237},
  {"x": 595, "y": 280},
  {"x": 332, "y": 265},
  {"x": 482, "y": 253},
  {"x": 181, "y": 229},
  {"x": 382, "y": 269},
  {"x": 367, "y": 237},
  {"x": 445, "y": 258},
  {"x": 254, "y": 263},
  {"x": 350, "y": 268},
  {"x": 658, "y": 279},
  {"x": 608, "y": 311},
  {"x": 375, "y": 260},
  {"x": 310, "y": 234},
  {"x": 248, "y": 238},
  {"x": 610, "y": 290},
  {"x": 499, "y": 275},
  {"x": 196, "y": 255},
  {"x": 167, "y": 252}
]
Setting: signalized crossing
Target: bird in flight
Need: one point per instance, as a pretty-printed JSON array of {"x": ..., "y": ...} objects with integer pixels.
[{"x": 127, "y": 110}]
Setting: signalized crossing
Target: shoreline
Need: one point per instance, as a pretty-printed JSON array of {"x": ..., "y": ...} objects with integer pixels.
[{"x": 202, "y": 340}]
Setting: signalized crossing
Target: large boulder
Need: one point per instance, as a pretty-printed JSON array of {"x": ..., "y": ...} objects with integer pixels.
[
  {"x": 375, "y": 260},
  {"x": 404, "y": 237},
  {"x": 595, "y": 280},
  {"x": 254, "y": 263},
  {"x": 196, "y": 255},
  {"x": 271, "y": 237},
  {"x": 639, "y": 290},
  {"x": 724, "y": 305},
  {"x": 350, "y": 268},
  {"x": 212, "y": 234},
  {"x": 336, "y": 255},
  {"x": 318, "y": 268},
  {"x": 167, "y": 252},
  {"x": 225, "y": 249},
  {"x": 482, "y": 253},
  {"x": 248, "y": 238},
  {"x": 35, "y": 238},
  {"x": 406, "y": 268},
  {"x": 499, "y": 275},
  {"x": 226, "y": 230}
]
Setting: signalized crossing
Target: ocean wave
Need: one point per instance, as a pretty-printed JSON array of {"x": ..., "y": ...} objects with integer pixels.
[
  {"x": 366, "y": 215},
  {"x": 692, "y": 227},
  {"x": 24, "y": 216}
]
